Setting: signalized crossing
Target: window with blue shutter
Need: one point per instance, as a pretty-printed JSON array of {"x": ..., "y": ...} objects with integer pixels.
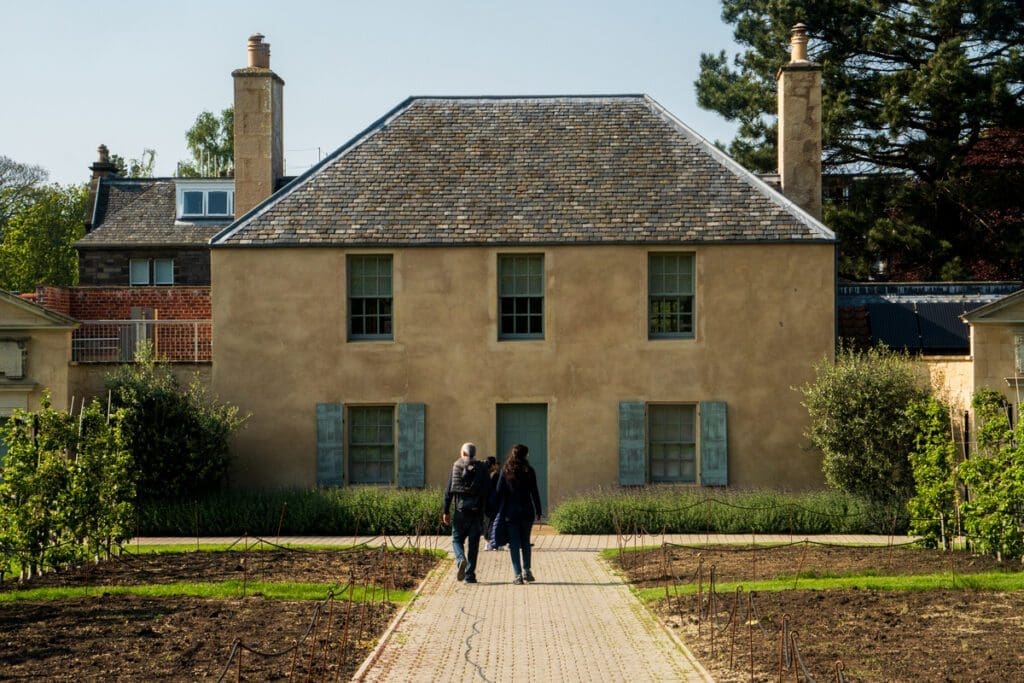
[
  {"x": 330, "y": 444},
  {"x": 714, "y": 439},
  {"x": 632, "y": 457},
  {"x": 411, "y": 445}
]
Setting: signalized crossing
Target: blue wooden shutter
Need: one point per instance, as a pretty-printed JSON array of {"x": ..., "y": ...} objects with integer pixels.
[
  {"x": 411, "y": 445},
  {"x": 632, "y": 446},
  {"x": 330, "y": 444},
  {"x": 714, "y": 444}
]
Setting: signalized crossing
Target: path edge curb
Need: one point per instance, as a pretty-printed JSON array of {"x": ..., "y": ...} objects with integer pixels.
[{"x": 371, "y": 658}]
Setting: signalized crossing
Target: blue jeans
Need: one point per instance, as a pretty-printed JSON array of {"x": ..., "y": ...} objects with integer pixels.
[
  {"x": 467, "y": 528},
  {"x": 519, "y": 544}
]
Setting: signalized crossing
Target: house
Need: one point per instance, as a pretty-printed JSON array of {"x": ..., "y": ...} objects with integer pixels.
[
  {"x": 997, "y": 348},
  {"x": 35, "y": 344},
  {"x": 582, "y": 274}
]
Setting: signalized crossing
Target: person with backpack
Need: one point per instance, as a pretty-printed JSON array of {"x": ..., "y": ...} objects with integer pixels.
[
  {"x": 467, "y": 488},
  {"x": 519, "y": 503}
]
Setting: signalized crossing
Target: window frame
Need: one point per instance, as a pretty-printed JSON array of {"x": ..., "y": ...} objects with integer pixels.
[
  {"x": 352, "y": 446},
  {"x": 205, "y": 188},
  {"x": 151, "y": 272},
  {"x": 692, "y": 443},
  {"x": 665, "y": 295},
  {"x": 379, "y": 316},
  {"x": 509, "y": 260}
]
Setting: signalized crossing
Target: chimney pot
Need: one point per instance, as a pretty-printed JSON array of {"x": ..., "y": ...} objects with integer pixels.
[
  {"x": 798, "y": 42},
  {"x": 259, "y": 52},
  {"x": 104, "y": 154}
]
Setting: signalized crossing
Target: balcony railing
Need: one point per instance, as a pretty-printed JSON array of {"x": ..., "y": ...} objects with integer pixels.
[{"x": 115, "y": 341}]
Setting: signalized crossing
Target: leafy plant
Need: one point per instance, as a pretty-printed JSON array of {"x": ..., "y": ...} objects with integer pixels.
[
  {"x": 180, "y": 438},
  {"x": 993, "y": 515},
  {"x": 933, "y": 461},
  {"x": 67, "y": 487},
  {"x": 859, "y": 418}
]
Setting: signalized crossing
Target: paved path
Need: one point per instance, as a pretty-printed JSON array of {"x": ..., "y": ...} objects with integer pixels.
[{"x": 578, "y": 622}]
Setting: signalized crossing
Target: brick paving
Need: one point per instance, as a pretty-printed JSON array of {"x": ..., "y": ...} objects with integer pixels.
[{"x": 578, "y": 622}]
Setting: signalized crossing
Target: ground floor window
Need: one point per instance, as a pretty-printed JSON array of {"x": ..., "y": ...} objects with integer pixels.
[
  {"x": 371, "y": 444},
  {"x": 672, "y": 443}
]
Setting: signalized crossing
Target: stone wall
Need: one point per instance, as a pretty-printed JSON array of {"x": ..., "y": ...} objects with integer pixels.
[{"x": 105, "y": 267}]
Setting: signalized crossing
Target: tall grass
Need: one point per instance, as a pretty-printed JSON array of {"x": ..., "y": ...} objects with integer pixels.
[
  {"x": 348, "y": 511},
  {"x": 666, "y": 509}
]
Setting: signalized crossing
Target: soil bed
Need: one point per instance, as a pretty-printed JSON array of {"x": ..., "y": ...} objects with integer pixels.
[
  {"x": 184, "y": 638},
  {"x": 363, "y": 565},
  {"x": 937, "y": 635}
]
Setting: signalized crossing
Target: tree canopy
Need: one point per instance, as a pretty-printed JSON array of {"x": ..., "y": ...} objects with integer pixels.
[
  {"x": 211, "y": 140},
  {"x": 37, "y": 246},
  {"x": 135, "y": 168},
  {"x": 909, "y": 89},
  {"x": 17, "y": 181}
]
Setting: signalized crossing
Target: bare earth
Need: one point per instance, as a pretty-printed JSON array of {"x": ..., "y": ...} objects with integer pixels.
[
  {"x": 180, "y": 638},
  {"x": 939, "y": 635}
]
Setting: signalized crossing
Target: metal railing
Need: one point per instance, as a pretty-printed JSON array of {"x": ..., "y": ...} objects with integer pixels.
[{"x": 115, "y": 341}]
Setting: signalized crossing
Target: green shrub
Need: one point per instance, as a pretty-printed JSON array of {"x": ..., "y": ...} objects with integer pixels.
[
  {"x": 993, "y": 515},
  {"x": 932, "y": 460},
  {"x": 367, "y": 511},
  {"x": 667, "y": 509},
  {"x": 858, "y": 418},
  {"x": 179, "y": 437}
]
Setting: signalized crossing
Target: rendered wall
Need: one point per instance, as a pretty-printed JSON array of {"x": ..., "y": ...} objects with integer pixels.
[
  {"x": 765, "y": 314},
  {"x": 993, "y": 347}
]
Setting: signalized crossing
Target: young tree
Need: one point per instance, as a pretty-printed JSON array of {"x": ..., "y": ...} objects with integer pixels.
[
  {"x": 17, "y": 183},
  {"x": 135, "y": 168},
  {"x": 909, "y": 88},
  {"x": 37, "y": 247},
  {"x": 211, "y": 140},
  {"x": 859, "y": 419}
]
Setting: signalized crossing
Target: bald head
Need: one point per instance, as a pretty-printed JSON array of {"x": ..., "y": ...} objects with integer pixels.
[{"x": 468, "y": 450}]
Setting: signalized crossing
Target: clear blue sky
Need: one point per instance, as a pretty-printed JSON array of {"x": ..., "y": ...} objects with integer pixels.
[{"x": 135, "y": 74}]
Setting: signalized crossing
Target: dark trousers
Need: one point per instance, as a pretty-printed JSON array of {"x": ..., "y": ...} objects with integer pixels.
[
  {"x": 519, "y": 544},
  {"x": 466, "y": 528}
]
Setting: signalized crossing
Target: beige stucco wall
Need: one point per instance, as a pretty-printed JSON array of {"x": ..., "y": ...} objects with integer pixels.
[
  {"x": 993, "y": 347},
  {"x": 48, "y": 348},
  {"x": 765, "y": 314},
  {"x": 950, "y": 377}
]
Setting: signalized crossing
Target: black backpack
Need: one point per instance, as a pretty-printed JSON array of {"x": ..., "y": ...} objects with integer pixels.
[{"x": 469, "y": 484}]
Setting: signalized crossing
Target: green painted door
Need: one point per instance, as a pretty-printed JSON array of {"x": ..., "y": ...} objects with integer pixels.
[{"x": 527, "y": 424}]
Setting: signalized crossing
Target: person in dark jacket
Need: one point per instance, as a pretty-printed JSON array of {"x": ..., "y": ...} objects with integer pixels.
[
  {"x": 519, "y": 502},
  {"x": 491, "y": 509},
  {"x": 467, "y": 488}
]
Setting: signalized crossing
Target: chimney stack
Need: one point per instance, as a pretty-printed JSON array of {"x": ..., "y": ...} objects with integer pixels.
[
  {"x": 101, "y": 168},
  {"x": 799, "y": 88},
  {"x": 259, "y": 117}
]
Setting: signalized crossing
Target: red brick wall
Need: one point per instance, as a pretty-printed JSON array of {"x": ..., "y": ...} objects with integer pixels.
[
  {"x": 55, "y": 298},
  {"x": 116, "y": 303}
]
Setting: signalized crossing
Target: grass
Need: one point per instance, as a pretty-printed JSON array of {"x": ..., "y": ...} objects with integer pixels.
[
  {"x": 216, "y": 590},
  {"x": 989, "y": 581},
  {"x": 152, "y": 548}
]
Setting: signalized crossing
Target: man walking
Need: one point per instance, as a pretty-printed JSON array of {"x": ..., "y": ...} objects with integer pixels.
[{"x": 467, "y": 486}]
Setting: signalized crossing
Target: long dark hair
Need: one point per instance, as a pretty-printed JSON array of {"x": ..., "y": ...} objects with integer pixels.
[{"x": 516, "y": 463}]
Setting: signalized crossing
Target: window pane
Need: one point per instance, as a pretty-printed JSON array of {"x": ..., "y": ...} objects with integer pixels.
[
  {"x": 163, "y": 271},
  {"x": 671, "y": 443},
  {"x": 371, "y": 445},
  {"x": 369, "y": 296},
  {"x": 521, "y": 296},
  {"x": 192, "y": 203},
  {"x": 670, "y": 281},
  {"x": 138, "y": 271},
  {"x": 217, "y": 203}
]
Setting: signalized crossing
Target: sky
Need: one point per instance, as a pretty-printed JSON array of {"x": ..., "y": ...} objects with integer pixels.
[{"x": 134, "y": 75}]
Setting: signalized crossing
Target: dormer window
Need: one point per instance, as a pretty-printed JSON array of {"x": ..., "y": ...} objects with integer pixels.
[{"x": 205, "y": 199}]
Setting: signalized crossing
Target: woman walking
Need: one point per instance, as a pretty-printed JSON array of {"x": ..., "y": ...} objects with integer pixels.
[{"x": 519, "y": 505}]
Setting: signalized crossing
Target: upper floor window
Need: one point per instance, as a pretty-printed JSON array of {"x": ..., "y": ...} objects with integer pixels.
[
  {"x": 156, "y": 271},
  {"x": 369, "y": 297},
  {"x": 670, "y": 292},
  {"x": 206, "y": 198},
  {"x": 521, "y": 296}
]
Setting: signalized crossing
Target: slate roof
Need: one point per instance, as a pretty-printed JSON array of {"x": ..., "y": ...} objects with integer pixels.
[
  {"x": 525, "y": 170},
  {"x": 140, "y": 212}
]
